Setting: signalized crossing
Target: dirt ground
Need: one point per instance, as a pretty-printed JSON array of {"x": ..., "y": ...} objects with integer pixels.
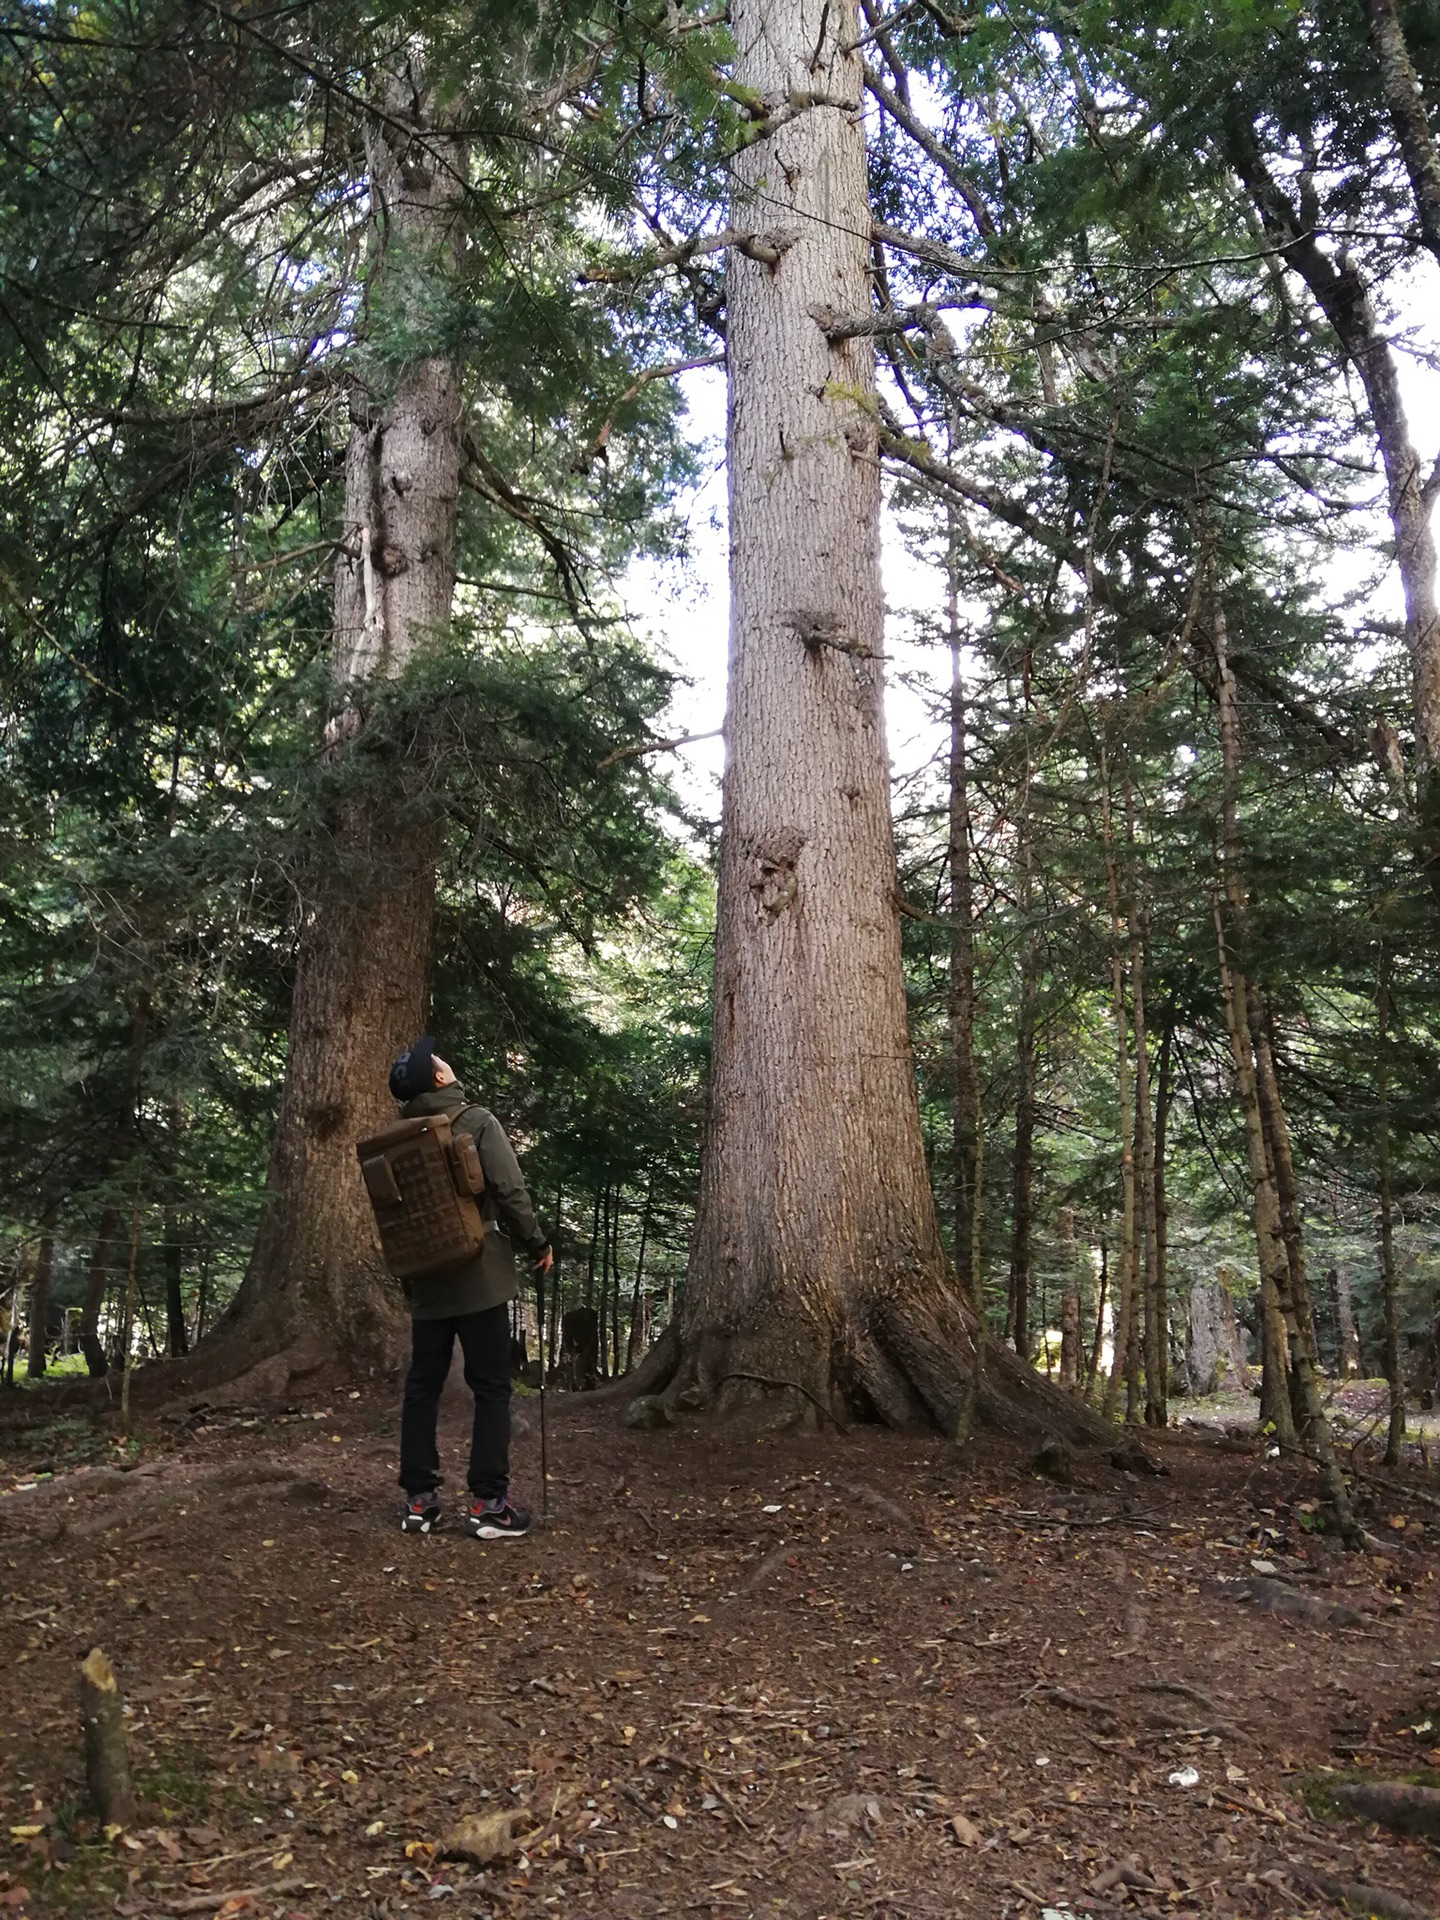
[{"x": 779, "y": 1675}]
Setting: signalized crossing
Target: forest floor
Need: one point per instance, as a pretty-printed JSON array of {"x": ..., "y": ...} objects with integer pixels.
[{"x": 784, "y": 1675}]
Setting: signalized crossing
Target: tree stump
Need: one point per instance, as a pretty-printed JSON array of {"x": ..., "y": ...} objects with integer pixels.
[{"x": 107, "y": 1759}]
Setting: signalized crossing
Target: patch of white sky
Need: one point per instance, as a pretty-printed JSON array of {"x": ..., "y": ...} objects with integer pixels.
[{"x": 682, "y": 605}]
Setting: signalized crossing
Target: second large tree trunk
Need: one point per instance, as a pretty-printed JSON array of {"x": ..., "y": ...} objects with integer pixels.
[
  {"x": 364, "y": 951},
  {"x": 816, "y": 1276}
]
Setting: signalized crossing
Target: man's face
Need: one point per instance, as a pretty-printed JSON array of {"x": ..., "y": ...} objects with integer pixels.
[{"x": 444, "y": 1072}]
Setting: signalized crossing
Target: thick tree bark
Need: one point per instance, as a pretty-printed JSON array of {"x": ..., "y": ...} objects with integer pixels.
[
  {"x": 39, "y": 1307},
  {"x": 816, "y": 1260},
  {"x": 1406, "y": 107},
  {"x": 360, "y": 979}
]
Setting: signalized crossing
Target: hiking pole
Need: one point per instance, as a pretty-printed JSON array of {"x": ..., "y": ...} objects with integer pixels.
[{"x": 540, "y": 1338}]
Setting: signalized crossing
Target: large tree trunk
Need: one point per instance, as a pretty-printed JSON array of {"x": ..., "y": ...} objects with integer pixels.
[
  {"x": 368, "y": 897},
  {"x": 816, "y": 1260}
]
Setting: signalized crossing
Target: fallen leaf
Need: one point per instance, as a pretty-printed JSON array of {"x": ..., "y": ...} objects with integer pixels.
[{"x": 483, "y": 1838}]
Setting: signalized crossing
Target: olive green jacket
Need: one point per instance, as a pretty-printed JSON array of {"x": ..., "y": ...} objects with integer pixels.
[{"x": 491, "y": 1278}]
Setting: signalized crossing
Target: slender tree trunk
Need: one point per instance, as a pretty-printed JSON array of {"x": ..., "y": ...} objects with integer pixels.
[
  {"x": 368, "y": 896},
  {"x": 1408, "y": 116},
  {"x": 816, "y": 1259},
  {"x": 1155, "y": 1412},
  {"x": 966, "y": 1125},
  {"x": 1340, "y": 292},
  {"x": 1163, "y": 1085},
  {"x": 39, "y": 1306},
  {"x": 593, "y": 1248},
  {"x": 616, "y": 1214},
  {"x": 1269, "y": 1230},
  {"x": 1125, "y": 1314},
  {"x": 603, "y": 1288},
  {"x": 1271, "y": 1250},
  {"x": 176, "y": 1341},
  {"x": 632, "y": 1336},
  {"x": 1092, "y": 1367},
  {"x": 1022, "y": 1194},
  {"x": 202, "y": 1298},
  {"x": 97, "y": 1280},
  {"x": 1347, "y": 1337},
  {"x": 1022, "y": 1191},
  {"x": 1395, "y": 1432}
]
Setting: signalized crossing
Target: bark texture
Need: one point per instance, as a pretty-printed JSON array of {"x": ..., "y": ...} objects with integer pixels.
[
  {"x": 816, "y": 1272},
  {"x": 1406, "y": 107},
  {"x": 364, "y": 949}
]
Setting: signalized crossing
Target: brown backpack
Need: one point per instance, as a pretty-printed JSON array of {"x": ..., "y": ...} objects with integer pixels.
[{"x": 423, "y": 1178}]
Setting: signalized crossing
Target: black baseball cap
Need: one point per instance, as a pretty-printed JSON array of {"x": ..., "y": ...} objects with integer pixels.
[{"x": 414, "y": 1071}]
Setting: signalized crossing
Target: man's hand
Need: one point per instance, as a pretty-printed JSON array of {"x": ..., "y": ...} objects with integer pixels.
[{"x": 546, "y": 1261}]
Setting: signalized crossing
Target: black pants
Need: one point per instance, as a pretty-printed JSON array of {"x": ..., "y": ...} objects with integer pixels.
[{"x": 485, "y": 1343}]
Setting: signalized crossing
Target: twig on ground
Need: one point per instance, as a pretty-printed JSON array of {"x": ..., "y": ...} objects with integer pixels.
[{"x": 212, "y": 1902}]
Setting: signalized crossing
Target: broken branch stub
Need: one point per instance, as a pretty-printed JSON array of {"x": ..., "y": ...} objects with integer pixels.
[{"x": 107, "y": 1758}]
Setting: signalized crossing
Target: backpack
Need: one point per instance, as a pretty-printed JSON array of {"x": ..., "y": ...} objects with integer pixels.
[{"x": 422, "y": 1179}]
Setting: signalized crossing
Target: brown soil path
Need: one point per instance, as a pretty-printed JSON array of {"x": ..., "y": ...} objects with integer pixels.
[{"x": 780, "y": 1676}]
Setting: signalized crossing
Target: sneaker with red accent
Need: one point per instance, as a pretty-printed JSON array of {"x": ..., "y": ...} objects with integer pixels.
[
  {"x": 423, "y": 1513},
  {"x": 497, "y": 1520}
]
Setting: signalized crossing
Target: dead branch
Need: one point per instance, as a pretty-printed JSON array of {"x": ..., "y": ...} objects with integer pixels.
[{"x": 657, "y": 746}]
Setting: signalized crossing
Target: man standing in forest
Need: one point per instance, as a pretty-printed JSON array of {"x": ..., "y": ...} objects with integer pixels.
[{"x": 472, "y": 1302}]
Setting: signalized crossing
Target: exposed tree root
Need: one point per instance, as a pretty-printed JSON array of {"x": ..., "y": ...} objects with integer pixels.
[{"x": 906, "y": 1364}]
